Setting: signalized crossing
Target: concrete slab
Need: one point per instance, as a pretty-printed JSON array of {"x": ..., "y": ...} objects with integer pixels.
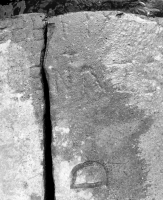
[
  {"x": 21, "y": 108},
  {"x": 105, "y": 75}
]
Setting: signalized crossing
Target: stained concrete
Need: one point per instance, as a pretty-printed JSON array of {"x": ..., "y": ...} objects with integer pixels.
[
  {"x": 105, "y": 77},
  {"x": 21, "y": 108}
]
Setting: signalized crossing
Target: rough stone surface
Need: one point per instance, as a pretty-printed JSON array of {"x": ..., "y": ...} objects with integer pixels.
[
  {"x": 21, "y": 108},
  {"x": 106, "y": 86}
]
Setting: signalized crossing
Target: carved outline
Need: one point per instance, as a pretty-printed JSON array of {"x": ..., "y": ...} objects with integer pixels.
[{"x": 87, "y": 185}]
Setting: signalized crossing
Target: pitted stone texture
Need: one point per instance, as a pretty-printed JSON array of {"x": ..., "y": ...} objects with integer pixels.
[
  {"x": 21, "y": 108},
  {"x": 105, "y": 75}
]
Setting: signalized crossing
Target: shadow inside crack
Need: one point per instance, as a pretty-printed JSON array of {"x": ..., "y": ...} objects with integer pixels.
[{"x": 49, "y": 186}]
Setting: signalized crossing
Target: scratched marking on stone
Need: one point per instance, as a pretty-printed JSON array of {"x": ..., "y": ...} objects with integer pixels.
[{"x": 86, "y": 164}]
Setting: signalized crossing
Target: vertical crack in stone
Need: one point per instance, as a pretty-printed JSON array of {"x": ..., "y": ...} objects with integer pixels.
[{"x": 49, "y": 186}]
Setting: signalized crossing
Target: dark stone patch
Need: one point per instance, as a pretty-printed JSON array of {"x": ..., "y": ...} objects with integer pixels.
[
  {"x": 25, "y": 185},
  {"x": 35, "y": 197}
]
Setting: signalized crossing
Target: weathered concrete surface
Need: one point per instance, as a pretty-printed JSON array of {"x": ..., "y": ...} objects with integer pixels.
[
  {"x": 21, "y": 108},
  {"x": 106, "y": 85}
]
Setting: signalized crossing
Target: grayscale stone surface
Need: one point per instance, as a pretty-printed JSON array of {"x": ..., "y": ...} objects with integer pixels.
[
  {"x": 21, "y": 108},
  {"x": 105, "y": 73}
]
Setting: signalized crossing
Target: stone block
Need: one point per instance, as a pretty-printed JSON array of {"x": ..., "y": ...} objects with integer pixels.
[
  {"x": 21, "y": 108},
  {"x": 106, "y": 86}
]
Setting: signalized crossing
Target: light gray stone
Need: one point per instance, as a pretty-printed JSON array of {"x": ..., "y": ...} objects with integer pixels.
[
  {"x": 106, "y": 86},
  {"x": 21, "y": 108}
]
